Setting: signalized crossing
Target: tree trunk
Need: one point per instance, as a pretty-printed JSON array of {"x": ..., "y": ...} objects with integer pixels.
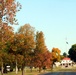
[
  {"x": 2, "y": 69},
  {"x": 16, "y": 67},
  {"x": 39, "y": 69},
  {"x": 30, "y": 69},
  {"x": 52, "y": 65},
  {"x": 22, "y": 69}
]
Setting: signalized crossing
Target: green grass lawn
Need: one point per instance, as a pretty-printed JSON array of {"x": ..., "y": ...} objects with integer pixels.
[
  {"x": 28, "y": 72},
  {"x": 20, "y": 73},
  {"x": 35, "y": 72}
]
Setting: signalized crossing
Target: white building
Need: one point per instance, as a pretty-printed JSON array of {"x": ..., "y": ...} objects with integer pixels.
[
  {"x": 66, "y": 62},
  {"x": 57, "y": 64}
]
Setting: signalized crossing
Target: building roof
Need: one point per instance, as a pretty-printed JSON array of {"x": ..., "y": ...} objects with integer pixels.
[{"x": 66, "y": 58}]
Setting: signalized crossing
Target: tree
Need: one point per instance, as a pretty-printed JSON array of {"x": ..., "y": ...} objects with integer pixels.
[
  {"x": 65, "y": 54},
  {"x": 13, "y": 49},
  {"x": 40, "y": 43},
  {"x": 28, "y": 43},
  {"x": 43, "y": 60},
  {"x": 4, "y": 38},
  {"x": 72, "y": 52},
  {"x": 47, "y": 59},
  {"x": 8, "y": 9},
  {"x": 40, "y": 50},
  {"x": 55, "y": 55}
]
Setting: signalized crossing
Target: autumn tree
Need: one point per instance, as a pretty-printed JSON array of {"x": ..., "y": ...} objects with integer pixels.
[
  {"x": 44, "y": 60},
  {"x": 47, "y": 59},
  {"x": 13, "y": 49},
  {"x": 40, "y": 43},
  {"x": 40, "y": 50},
  {"x": 28, "y": 43},
  {"x": 72, "y": 52},
  {"x": 61, "y": 57},
  {"x": 6, "y": 32},
  {"x": 56, "y": 54},
  {"x": 8, "y": 9}
]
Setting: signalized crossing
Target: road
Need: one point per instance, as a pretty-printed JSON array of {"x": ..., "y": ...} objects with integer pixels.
[{"x": 60, "y": 73}]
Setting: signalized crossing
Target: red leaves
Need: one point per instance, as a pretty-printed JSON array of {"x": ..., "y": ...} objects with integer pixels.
[
  {"x": 43, "y": 59},
  {"x": 8, "y": 10}
]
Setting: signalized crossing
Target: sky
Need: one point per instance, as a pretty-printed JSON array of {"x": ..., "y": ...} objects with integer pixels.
[{"x": 55, "y": 18}]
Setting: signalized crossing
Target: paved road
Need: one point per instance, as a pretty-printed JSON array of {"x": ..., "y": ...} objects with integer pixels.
[{"x": 60, "y": 73}]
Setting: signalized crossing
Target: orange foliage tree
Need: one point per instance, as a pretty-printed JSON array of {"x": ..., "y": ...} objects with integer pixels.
[
  {"x": 56, "y": 55},
  {"x": 27, "y": 44},
  {"x": 42, "y": 57},
  {"x": 13, "y": 49},
  {"x": 5, "y": 34},
  {"x": 8, "y": 9}
]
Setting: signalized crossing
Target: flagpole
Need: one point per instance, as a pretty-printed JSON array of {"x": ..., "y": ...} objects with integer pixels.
[{"x": 66, "y": 46}]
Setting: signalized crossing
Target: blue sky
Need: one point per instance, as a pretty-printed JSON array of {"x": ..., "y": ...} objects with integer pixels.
[{"x": 56, "y": 18}]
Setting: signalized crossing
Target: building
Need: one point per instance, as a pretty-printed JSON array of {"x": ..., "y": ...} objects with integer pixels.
[
  {"x": 57, "y": 64},
  {"x": 66, "y": 62}
]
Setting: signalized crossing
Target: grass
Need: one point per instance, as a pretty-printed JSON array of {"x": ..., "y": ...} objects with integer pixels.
[
  {"x": 20, "y": 73},
  {"x": 35, "y": 72},
  {"x": 60, "y": 69}
]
